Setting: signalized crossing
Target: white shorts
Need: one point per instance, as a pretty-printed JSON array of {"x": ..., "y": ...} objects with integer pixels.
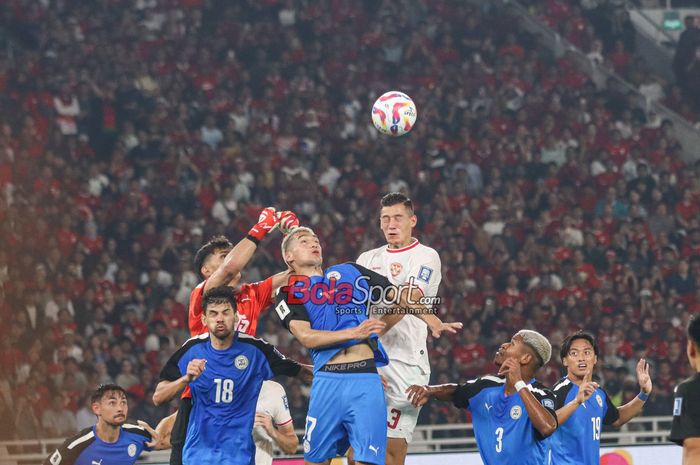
[{"x": 400, "y": 414}]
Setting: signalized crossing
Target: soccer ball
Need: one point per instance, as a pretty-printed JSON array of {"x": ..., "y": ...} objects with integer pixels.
[{"x": 394, "y": 113}]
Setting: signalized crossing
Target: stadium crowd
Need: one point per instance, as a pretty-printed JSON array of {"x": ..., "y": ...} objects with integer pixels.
[
  {"x": 603, "y": 30},
  {"x": 129, "y": 136}
]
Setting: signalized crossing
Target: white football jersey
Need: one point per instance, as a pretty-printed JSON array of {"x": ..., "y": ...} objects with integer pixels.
[
  {"x": 406, "y": 341},
  {"x": 272, "y": 401}
]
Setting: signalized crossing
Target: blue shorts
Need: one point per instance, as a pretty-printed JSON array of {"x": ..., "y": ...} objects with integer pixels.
[{"x": 346, "y": 409}]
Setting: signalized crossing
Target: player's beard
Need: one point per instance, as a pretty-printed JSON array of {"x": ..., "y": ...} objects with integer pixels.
[{"x": 222, "y": 334}]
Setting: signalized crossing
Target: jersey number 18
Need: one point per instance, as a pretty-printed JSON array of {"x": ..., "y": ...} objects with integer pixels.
[{"x": 224, "y": 390}]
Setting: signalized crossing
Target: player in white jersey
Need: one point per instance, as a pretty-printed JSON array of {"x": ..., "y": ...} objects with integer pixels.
[
  {"x": 403, "y": 260},
  {"x": 273, "y": 423}
]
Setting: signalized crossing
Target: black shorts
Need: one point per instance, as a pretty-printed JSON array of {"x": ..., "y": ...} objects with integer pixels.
[{"x": 177, "y": 436}]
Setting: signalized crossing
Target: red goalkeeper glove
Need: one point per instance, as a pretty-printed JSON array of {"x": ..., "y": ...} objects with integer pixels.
[
  {"x": 287, "y": 222},
  {"x": 267, "y": 221}
]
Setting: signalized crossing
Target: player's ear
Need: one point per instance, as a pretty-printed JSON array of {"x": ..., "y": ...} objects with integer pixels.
[
  {"x": 95, "y": 408},
  {"x": 414, "y": 221},
  {"x": 526, "y": 358},
  {"x": 691, "y": 350}
]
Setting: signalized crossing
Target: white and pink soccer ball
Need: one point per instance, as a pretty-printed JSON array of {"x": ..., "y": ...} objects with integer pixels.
[{"x": 394, "y": 114}]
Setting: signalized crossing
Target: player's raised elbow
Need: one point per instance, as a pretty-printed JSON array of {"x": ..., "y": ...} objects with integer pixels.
[{"x": 548, "y": 428}]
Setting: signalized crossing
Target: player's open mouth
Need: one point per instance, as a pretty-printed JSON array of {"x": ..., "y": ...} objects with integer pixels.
[{"x": 582, "y": 366}]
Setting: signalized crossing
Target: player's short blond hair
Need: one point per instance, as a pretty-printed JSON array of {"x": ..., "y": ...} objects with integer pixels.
[{"x": 286, "y": 242}]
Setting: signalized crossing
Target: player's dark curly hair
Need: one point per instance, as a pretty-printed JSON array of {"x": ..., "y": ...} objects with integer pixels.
[
  {"x": 219, "y": 295},
  {"x": 396, "y": 198},
  {"x": 566, "y": 345},
  {"x": 214, "y": 244},
  {"x": 104, "y": 389}
]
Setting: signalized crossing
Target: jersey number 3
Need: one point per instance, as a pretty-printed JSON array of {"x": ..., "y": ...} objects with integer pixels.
[{"x": 224, "y": 390}]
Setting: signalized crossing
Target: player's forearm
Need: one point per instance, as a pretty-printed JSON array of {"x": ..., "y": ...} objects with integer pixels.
[
  {"x": 628, "y": 411},
  {"x": 166, "y": 390},
  {"x": 691, "y": 451},
  {"x": 164, "y": 431},
  {"x": 318, "y": 339},
  {"x": 444, "y": 392},
  {"x": 541, "y": 419},
  {"x": 566, "y": 411},
  {"x": 285, "y": 439},
  {"x": 235, "y": 261},
  {"x": 280, "y": 279}
]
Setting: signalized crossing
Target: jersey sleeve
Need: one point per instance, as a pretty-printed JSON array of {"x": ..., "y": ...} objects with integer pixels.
[
  {"x": 545, "y": 397},
  {"x": 426, "y": 272},
  {"x": 561, "y": 391},
  {"x": 281, "y": 415},
  {"x": 288, "y": 312},
  {"x": 139, "y": 434},
  {"x": 611, "y": 412},
  {"x": 686, "y": 413},
  {"x": 466, "y": 391},
  {"x": 69, "y": 452},
  {"x": 278, "y": 363},
  {"x": 194, "y": 313},
  {"x": 173, "y": 368},
  {"x": 374, "y": 278}
]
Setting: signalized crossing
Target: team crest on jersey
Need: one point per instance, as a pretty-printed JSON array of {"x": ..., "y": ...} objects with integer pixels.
[
  {"x": 131, "y": 450},
  {"x": 395, "y": 269},
  {"x": 516, "y": 412},
  {"x": 333, "y": 275},
  {"x": 599, "y": 400},
  {"x": 548, "y": 403},
  {"x": 425, "y": 273},
  {"x": 241, "y": 362},
  {"x": 307, "y": 446}
]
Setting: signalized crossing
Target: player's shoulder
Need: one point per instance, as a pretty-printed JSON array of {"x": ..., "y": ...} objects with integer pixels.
[
  {"x": 562, "y": 386},
  {"x": 538, "y": 388},
  {"x": 369, "y": 254},
  {"x": 486, "y": 382},
  {"x": 426, "y": 249},
  {"x": 136, "y": 430},
  {"x": 194, "y": 341},
  {"x": 272, "y": 387},
  {"x": 81, "y": 439},
  {"x": 255, "y": 342},
  {"x": 691, "y": 384}
]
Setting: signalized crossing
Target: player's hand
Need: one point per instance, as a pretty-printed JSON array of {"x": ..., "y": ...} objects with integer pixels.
[
  {"x": 418, "y": 395},
  {"x": 643, "y": 377},
  {"x": 267, "y": 221},
  {"x": 195, "y": 368},
  {"x": 287, "y": 221},
  {"x": 367, "y": 328},
  {"x": 587, "y": 388},
  {"x": 306, "y": 374},
  {"x": 155, "y": 439},
  {"x": 437, "y": 329},
  {"x": 511, "y": 368},
  {"x": 264, "y": 420}
]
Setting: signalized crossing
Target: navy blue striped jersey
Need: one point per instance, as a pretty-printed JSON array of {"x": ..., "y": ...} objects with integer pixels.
[
  {"x": 86, "y": 448},
  {"x": 503, "y": 430},
  {"x": 335, "y": 301},
  {"x": 577, "y": 440},
  {"x": 224, "y": 396},
  {"x": 686, "y": 411}
]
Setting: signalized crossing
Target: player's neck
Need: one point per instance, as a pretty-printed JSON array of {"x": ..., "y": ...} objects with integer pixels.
[
  {"x": 311, "y": 270},
  {"x": 107, "y": 433},
  {"x": 403, "y": 244},
  {"x": 574, "y": 379},
  {"x": 222, "y": 344}
]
